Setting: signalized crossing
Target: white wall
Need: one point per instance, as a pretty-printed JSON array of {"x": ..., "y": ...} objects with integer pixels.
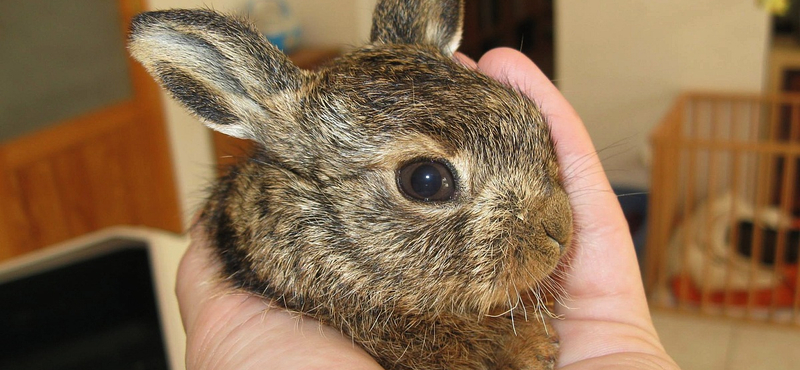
[
  {"x": 334, "y": 22},
  {"x": 621, "y": 63},
  {"x": 324, "y": 22}
]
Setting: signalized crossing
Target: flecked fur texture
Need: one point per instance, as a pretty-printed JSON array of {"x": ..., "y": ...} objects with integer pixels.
[{"x": 316, "y": 221}]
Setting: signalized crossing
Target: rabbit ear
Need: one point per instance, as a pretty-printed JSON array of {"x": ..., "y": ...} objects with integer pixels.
[
  {"x": 221, "y": 69},
  {"x": 427, "y": 22}
]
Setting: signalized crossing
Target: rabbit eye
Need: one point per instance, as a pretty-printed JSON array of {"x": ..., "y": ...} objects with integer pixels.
[{"x": 426, "y": 180}]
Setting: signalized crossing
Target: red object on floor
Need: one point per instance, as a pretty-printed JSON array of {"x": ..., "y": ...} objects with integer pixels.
[{"x": 687, "y": 290}]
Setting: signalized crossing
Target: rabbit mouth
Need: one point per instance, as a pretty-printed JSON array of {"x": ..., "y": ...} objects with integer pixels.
[
  {"x": 536, "y": 302},
  {"x": 531, "y": 291},
  {"x": 531, "y": 272}
]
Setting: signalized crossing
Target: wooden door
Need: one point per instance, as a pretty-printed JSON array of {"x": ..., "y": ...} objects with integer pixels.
[{"x": 83, "y": 144}]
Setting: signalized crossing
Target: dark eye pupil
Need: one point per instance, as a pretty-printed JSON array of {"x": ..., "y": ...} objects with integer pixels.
[{"x": 426, "y": 180}]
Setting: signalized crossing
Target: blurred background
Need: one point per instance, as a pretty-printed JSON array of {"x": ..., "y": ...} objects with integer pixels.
[
  {"x": 620, "y": 63},
  {"x": 88, "y": 142}
]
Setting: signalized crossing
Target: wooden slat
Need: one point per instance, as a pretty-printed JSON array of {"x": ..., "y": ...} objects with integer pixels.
[
  {"x": 780, "y": 148},
  {"x": 663, "y": 202},
  {"x": 656, "y": 247},
  {"x": 8, "y": 208},
  {"x": 144, "y": 177},
  {"x": 55, "y": 139},
  {"x": 44, "y": 210},
  {"x": 70, "y": 174},
  {"x": 688, "y": 203},
  {"x": 107, "y": 181},
  {"x": 711, "y": 188}
]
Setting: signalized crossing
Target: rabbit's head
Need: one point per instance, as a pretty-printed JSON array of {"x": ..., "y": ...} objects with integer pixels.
[{"x": 428, "y": 183}]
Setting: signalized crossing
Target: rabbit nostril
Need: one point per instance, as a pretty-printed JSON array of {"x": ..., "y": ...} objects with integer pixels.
[
  {"x": 554, "y": 239},
  {"x": 555, "y": 243}
]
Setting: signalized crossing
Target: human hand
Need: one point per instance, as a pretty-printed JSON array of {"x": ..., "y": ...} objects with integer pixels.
[{"x": 608, "y": 325}]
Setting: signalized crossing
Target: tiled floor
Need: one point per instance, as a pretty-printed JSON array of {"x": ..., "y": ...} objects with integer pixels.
[{"x": 702, "y": 343}]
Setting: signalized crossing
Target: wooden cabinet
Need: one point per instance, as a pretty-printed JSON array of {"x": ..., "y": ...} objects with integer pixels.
[{"x": 106, "y": 165}]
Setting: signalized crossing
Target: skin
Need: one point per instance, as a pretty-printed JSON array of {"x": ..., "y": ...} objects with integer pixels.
[{"x": 607, "y": 324}]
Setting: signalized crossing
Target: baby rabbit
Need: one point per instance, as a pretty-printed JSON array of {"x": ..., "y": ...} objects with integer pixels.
[{"x": 396, "y": 195}]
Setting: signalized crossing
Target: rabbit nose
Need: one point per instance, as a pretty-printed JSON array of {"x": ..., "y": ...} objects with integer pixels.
[
  {"x": 554, "y": 239},
  {"x": 557, "y": 235}
]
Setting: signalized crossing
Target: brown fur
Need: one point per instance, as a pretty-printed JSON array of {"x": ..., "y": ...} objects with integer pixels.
[{"x": 315, "y": 220}]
